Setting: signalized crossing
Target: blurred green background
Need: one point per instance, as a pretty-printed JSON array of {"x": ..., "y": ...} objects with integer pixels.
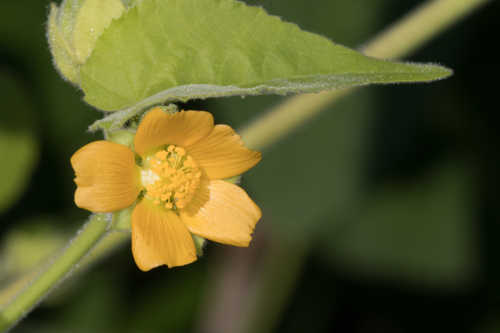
[{"x": 380, "y": 215}]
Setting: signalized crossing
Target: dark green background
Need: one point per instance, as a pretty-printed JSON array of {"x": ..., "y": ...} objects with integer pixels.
[{"x": 380, "y": 215}]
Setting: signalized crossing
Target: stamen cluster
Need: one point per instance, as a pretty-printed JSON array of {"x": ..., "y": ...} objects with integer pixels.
[{"x": 171, "y": 177}]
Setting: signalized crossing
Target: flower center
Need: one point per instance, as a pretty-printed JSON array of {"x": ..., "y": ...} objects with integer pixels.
[{"x": 170, "y": 177}]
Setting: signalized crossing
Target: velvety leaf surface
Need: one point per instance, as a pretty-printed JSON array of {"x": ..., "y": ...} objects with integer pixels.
[{"x": 176, "y": 50}]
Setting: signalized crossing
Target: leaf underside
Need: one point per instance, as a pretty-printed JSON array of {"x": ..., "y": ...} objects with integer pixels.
[{"x": 164, "y": 51}]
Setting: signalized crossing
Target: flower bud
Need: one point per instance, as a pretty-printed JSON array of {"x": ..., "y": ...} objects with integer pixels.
[
  {"x": 123, "y": 137},
  {"x": 73, "y": 29}
]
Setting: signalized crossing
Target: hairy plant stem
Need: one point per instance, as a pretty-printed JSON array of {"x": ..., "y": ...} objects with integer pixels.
[
  {"x": 400, "y": 39},
  {"x": 55, "y": 272}
]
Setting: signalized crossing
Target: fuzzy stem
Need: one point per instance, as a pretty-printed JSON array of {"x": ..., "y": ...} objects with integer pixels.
[
  {"x": 400, "y": 39},
  {"x": 55, "y": 272}
]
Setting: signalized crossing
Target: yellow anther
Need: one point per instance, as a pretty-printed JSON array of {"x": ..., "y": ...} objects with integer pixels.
[
  {"x": 180, "y": 151},
  {"x": 162, "y": 155},
  {"x": 173, "y": 177}
]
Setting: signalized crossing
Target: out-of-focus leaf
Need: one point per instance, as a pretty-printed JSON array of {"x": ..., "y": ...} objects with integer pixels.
[
  {"x": 489, "y": 325},
  {"x": 162, "y": 51},
  {"x": 24, "y": 45},
  {"x": 23, "y": 250},
  {"x": 171, "y": 307},
  {"x": 18, "y": 143},
  {"x": 25, "y": 247},
  {"x": 421, "y": 232},
  {"x": 97, "y": 307},
  {"x": 315, "y": 171}
]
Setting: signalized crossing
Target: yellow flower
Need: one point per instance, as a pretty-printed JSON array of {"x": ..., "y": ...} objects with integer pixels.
[{"x": 178, "y": 181}]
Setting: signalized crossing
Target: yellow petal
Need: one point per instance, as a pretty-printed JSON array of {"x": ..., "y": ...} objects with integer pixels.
[
  {"x": 222, "y": 154},
  {"x": 160, "y": 238},
  {"x": 183, "y": 128},
  {"x": 106, "y": 176},
  {"x": 222, "y": 212}
]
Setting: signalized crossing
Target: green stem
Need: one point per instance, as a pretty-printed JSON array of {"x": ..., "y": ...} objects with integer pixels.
[
  {"x": 41, "y": 285},
  {"x": 400, "y": 39},
  {"x": 419, "y": 26}
]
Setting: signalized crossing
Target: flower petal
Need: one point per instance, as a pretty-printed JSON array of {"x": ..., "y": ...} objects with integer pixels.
[
  {"x": 183, "y": 128},
  {"x": 106, "y": 176},
  {"x": 222, "y": 212},
  {"x": 222, "y": 154},
  {"x": 160, "y": 238}
]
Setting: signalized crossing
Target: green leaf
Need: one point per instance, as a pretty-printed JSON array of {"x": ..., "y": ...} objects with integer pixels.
[
  {"x": 18, "y": 144},
  {"x": 175, "y": 50},
  {"x": 29, "y": 244},
  {"x": 93, "y": 17},
  {"x": 422, "y": 233},
  {"x": 73, "y": 29}
]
